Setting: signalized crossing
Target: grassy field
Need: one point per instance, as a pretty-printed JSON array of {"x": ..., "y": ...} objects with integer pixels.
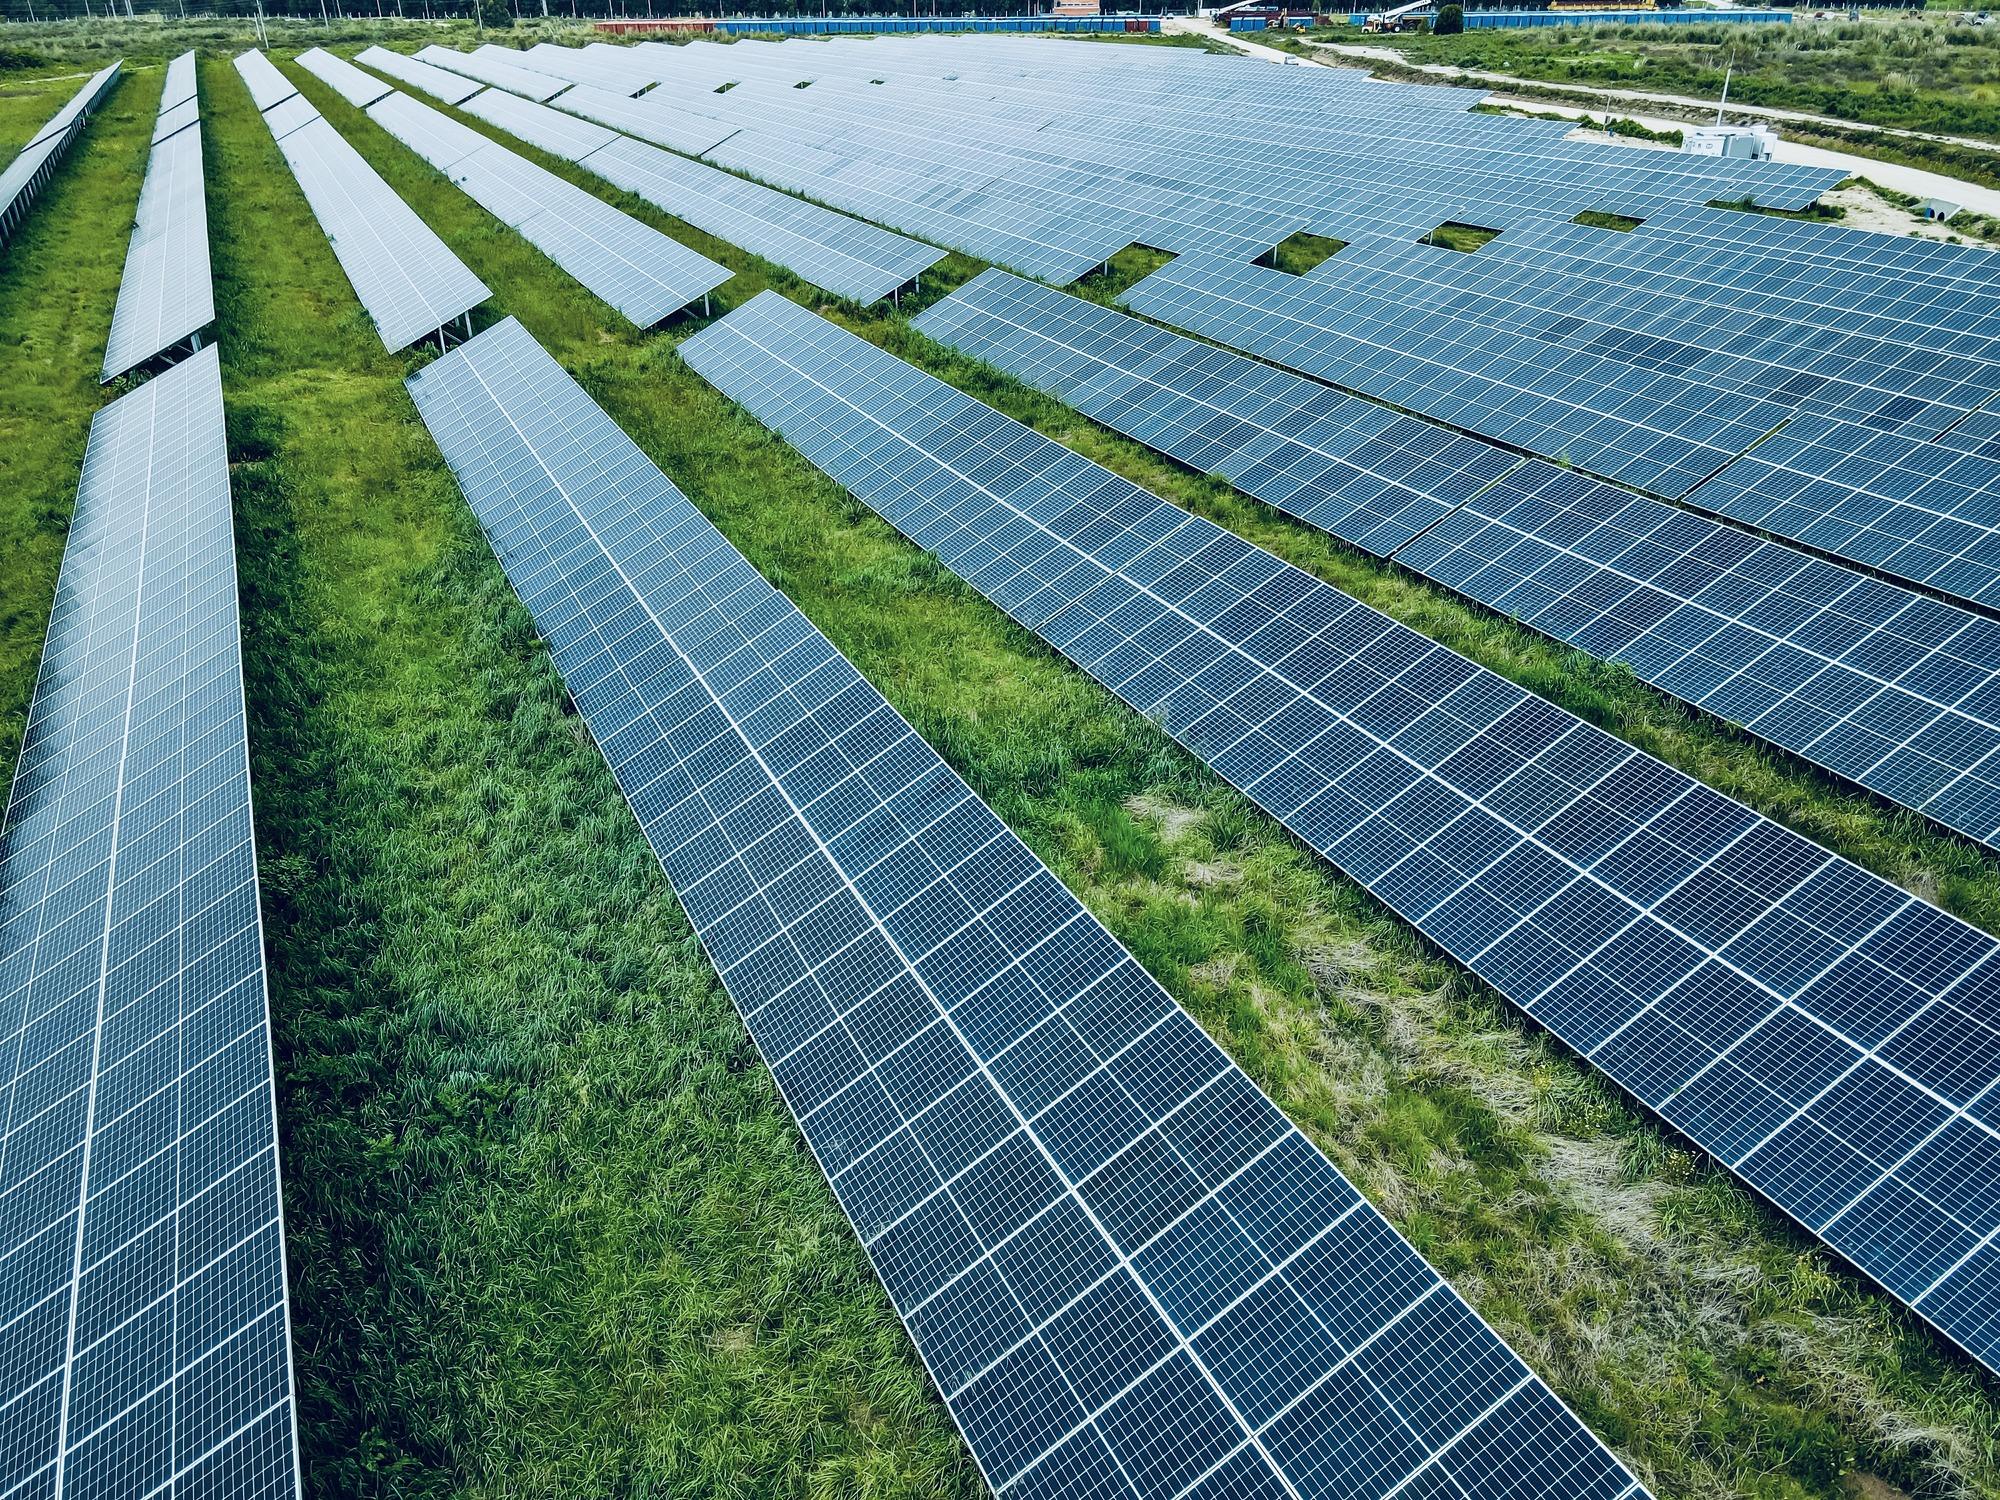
[
  {"x": 1913, "y": 71},
  {"x": 552, "y": 1233}
]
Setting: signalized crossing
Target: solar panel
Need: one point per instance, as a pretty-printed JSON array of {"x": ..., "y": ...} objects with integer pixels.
[
  {"x": 491, "y": 64},
  {"x": 173, "y": 121},
  {"x": 838, "y": 254},
  {"x": 1125, "y": 1271},
  {"x": 180, "y": 86},
  {"x": 642, "y": 273},
  {"x": 267, "y": 85},
  {"x": 289, "y": 114},
  {"x": 677, "y": 130},
  {"x": 1816, "y": 1029},
  {"x": 1919, "y": 510},
  {"x": 337, "y": 73},
  {"x": 604, "y": 67},
  {"x": 165, "y": 297},
  {"x": 549, "y": 129},
  {"x": 409, "y": 282},
  {"x": 1652, "y": 430},
  {"x": 1978, "y": 432},
  {"x": 64, "y": 121},
  {"x": 1893, "y": 690},
  {"x": 1556, "y": 287},
  {"x": 36, "y": 164},
  {"x": 448, "y": 87},
  {"x": 1364, "y": 473},
  {"x": 140, "y": 1223}
]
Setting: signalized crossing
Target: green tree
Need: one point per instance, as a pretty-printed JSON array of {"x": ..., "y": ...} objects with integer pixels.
[
  {"x": 495, "y": 14},
  {"x": 1450, "y": 21}
]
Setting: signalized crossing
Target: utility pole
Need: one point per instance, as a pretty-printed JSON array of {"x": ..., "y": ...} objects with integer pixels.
[{"x": 262, "y": 40}]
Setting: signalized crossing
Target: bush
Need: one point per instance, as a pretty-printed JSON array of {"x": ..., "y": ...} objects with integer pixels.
[
  {"x": 494, "y": 14},
  {"x": 1450, "y": 21}
]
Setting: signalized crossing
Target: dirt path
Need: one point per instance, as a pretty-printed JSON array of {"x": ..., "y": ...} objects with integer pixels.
[{"x": 1200, "y": 26}]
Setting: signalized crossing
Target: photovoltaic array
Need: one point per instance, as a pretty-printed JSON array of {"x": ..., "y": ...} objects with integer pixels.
[
  {"x": 409, "y": 282},
  {"x": 1894, "y": 690},
  {"x": 830, "y": 250},
  {"x": 449, "y": 88},
  {"x": 165, "y": 297},
  {"x": 36, "y": 163},
  {"x": 644, "y": 274},
  {"x": 1847, "y": 445},
  {"x": 1818, "y": 1030},
  {"x": 337, "y": 73},
  {"x": 493, "y": 65},
  {"x": 268, "y": 86},
  {"x": 1655, "y": 431},
  {"x": 1128, "y": 1274},
  {"x": 140, "y": 1226},
  {"x": 1051, "y": 158}
]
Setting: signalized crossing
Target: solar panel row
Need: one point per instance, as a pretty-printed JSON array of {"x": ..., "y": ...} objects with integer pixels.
[
  {"x": 337, "y": 73},
  {"x": 830, "y": 250},
  {"x": 141, "y": 1235},
  {"x": 268, "y": 87},
  {"x": 1901, "y": 502},
  {"x": 1914, "y": 509},
  {"x": 644, "y": 274},
  {"x": 1653, "y": 430},
  {"x": 496, "y": 66},
  {"x": 165, "y": 297},
  {"x": 1821, "y": 1032},
  {"x": 607, "y": 68},
  {"x": 1892, "y": 375},
  {"x": 180, "y": 84},
  {"x": 30, "y": 171},
  {"x": 661, "y": 125},
  {"x": 1127, "y": 1273},
  {"x": 449, "y": 88},
  {"x": 1891, "y": 689},
  {"x": 1054, "y": 173},
  {"x": 410, "y": 284}
]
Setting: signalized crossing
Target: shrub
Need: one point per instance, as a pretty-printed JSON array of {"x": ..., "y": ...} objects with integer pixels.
[{"x": 1450, "y": 21}]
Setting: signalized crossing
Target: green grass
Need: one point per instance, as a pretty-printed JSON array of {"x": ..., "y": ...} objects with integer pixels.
[
  {"x": 1912, "y": 71},
  {"x": 1301, "y": 252},
  {"x": 551, "y": 1231},
  {"x": 1599, "y": 220},
  {"x": 58, "y": 284},
  {"x": 1464, "y": 238}
]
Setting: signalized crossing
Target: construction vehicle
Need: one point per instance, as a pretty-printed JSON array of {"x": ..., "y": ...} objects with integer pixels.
[{"x": 1407, "y": 17}]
